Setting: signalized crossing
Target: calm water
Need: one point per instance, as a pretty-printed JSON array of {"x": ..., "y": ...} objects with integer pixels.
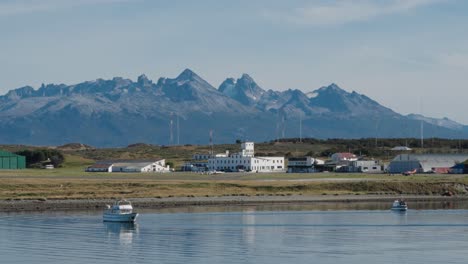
[{"x": 239, "y": 235}]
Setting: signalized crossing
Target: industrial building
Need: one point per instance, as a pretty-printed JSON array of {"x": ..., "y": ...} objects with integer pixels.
[
  {"x": 130, "y": 166},
  {"x": 303, "y": 164},
  {"x": 11, "y": 161},
  {"x": 245, "y": 160},
  {"x": 436, "y": 163},
  {"x": 100, "y": 167},
  {"x": 460, "y": 168},
  {"x": 367, "y": 166}
]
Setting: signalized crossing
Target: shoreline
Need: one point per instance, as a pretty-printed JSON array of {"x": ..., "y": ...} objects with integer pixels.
[{"x": 174, "y": 202}]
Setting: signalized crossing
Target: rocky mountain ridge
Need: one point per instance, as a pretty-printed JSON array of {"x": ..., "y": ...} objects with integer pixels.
[{"x": 184, "y": 109}]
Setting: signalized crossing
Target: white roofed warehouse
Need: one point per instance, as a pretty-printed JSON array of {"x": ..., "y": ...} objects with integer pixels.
[
  {"x": 130, "y": 166},
  {"x": 425, "y": 163}
]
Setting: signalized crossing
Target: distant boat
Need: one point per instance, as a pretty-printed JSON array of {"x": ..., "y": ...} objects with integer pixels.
[
  {"x": 120, "y": 211},
  {"x": 399, "y": 205}
]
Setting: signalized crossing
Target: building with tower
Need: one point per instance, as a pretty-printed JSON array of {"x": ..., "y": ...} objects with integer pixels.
[{"x": 245, "y": 160}]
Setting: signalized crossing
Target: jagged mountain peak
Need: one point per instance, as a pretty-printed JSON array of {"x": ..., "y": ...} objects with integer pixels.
[
  {"x": 338, "y": 100},
  {"x": 187, "y": 74},
  {"x": 144, "y": 81},
  {"x": 188, "y": 78},
  {"x": 244, "y": 90},
  {"x": 19, "y": 93},
  {"x": 187, "y": 86},
  {"x": 239, "y": 107},
  {"x": 332, "y": 88},
  {"x": 247, "y": 78}
]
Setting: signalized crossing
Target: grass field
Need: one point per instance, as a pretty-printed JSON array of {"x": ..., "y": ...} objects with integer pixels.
[{"x": 74, "y": 183}]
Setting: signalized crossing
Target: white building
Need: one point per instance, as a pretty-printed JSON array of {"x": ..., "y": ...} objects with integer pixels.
[
  {"x": 245, "y": 160},
  {"x": 141, "y": 166},
  {"x": 130, "y": 166},
  {"x": 343, "y": 156},
  {"x": 303, "y": 164},
  {"x": 425, "y": 162},
  {"x": 100, "y": 167},
  {"x": 369, "y": 166}
]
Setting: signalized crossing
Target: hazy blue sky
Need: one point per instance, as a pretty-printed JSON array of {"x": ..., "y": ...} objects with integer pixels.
[{"x": 398, "y": 52}]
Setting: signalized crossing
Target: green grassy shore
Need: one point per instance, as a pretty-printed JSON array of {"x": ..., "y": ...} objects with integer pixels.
[{"x": 73, "y": 183}]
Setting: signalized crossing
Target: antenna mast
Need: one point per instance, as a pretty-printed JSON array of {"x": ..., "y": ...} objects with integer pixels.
[
  {"x": 282, "y": 126},
  {"x": 422, "y": 135},
  {"x": 211, "y": 140},
  {"x": 171, "y": 136},
  {"x": 300, "y": 127},
  {"x": 422, "y": 122},
  {"x": 178, "y": 131}
]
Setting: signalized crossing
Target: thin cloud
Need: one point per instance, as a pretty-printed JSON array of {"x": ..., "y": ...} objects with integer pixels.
[
  {"x": 18, "y": 7},
  {"x": 456, "y": 60},
  {"x": 345, "y": 11}
]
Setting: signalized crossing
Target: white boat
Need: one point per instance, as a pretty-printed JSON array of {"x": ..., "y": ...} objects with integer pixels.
[
  {"x": 399, "y": 205},
  {"x": 120, "y": 211}
]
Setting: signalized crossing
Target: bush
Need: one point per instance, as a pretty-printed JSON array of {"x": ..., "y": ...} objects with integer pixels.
[{"x": 38, "y": 157}]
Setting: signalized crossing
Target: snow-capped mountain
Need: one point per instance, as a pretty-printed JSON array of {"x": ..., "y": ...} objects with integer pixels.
[{"x": 120, "y": 111}]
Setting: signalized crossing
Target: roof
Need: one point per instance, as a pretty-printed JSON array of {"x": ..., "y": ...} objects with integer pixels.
[
  {"x": 100, "y": 165},
  {"x": 8, "y": 154},
  {"x": 429, "y": 161},
  {"x": 128, "y": 161},
  {"x": 132, "y": 164},
  {"x": 401, "y": 148},
  {"x": 459, "y": 166},
  {"x": 346, "y": 155}
]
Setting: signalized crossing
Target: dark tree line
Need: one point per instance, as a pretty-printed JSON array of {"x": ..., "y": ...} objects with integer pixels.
[
  {"x": 380, "y": 147},
  {"x": 37, "y": 157}
]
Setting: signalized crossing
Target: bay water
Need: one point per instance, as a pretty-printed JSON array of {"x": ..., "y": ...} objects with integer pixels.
[{"x": 358, "y": 233}]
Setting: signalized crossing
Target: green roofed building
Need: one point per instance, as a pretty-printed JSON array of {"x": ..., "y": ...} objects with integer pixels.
[{"x": 10, "y": 161}]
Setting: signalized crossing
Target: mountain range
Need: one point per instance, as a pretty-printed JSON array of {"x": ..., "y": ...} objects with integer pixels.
[{"x": 185, "y": 109}]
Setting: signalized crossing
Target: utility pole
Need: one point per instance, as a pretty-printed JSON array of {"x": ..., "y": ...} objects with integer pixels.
[
  {"x": 300, "y": 127},
  {"x": 178, "y": 131}
]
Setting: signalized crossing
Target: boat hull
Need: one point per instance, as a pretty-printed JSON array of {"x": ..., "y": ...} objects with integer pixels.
[
  {"x": 123, "y": 218},
  {"x": 399, "y": 209}
]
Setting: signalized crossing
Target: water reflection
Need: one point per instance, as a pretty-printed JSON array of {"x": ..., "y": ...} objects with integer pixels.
[
  {"x": 124, "y": 231},
  {"x": 316, "y": 206},
  {"x": 248, "y": 220}
]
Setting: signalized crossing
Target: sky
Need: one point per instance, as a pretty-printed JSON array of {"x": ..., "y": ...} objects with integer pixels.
[{"x": 408, "y": 55}]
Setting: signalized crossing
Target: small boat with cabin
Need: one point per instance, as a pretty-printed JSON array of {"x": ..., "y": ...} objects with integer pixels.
[
  {"x": 120, "y": 211},
  {"x": 399, "y": 205}
]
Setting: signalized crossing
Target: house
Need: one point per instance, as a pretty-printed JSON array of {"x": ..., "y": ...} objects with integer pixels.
[
  {"x": 245, "y": 160},
  {"x": 343, "y": 156},
  {"x": 100, "y": 167}
]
